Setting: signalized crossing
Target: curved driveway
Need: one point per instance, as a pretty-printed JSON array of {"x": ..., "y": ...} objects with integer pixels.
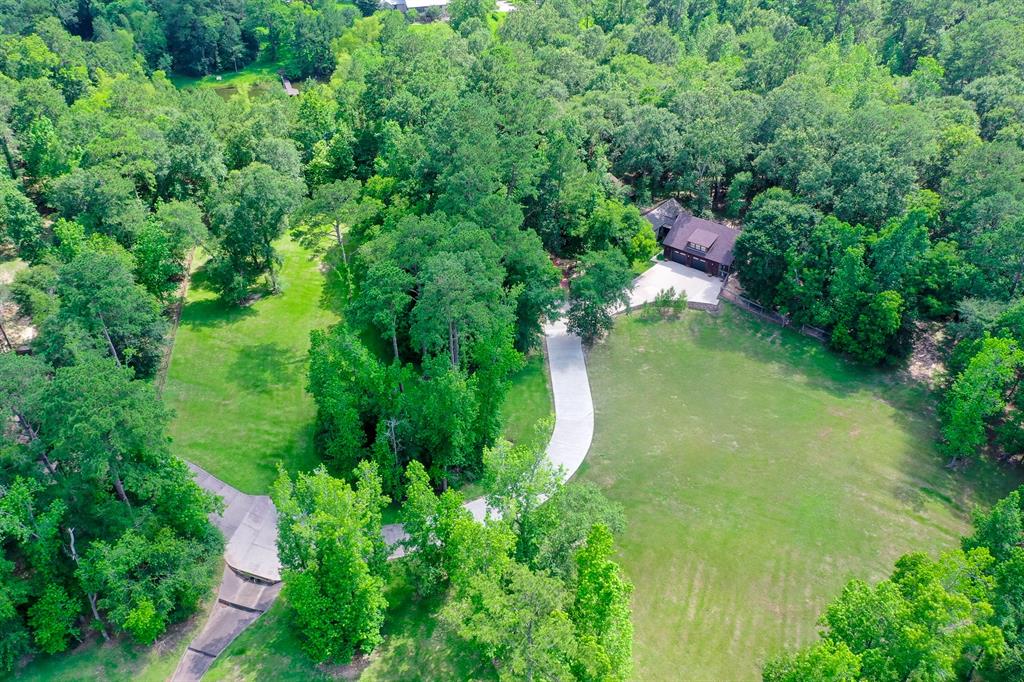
[
  {"x": 249, "y": 522},
  {"x": 574, "y": 416}
]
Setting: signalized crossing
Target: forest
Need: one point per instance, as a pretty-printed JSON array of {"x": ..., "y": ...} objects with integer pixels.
[{"x": 872, "y": 150}]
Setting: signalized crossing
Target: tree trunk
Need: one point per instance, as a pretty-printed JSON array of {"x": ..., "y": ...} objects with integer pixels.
[
  {"x": 91, "y": 595},
  {"x": 3, "y": 332},
  {"x": 453, "y": 342},
  {"x": 394, "y": 344},
  {"x": 6, "y": 144},
  {"x": 33, "y": 436},
  {"x": 119, "y": 488},
  {"x": 96, "y": 615},
  {"x": 273, "y": 279},
  {"x": 341, "y": 242},
  {"x": 110, "y": 343}
]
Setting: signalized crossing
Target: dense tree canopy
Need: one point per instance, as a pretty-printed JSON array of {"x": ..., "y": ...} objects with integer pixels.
[{"x": 454, "y": 175}]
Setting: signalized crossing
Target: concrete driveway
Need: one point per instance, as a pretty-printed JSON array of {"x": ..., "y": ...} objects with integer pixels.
[{"x": 700, "y": 287}]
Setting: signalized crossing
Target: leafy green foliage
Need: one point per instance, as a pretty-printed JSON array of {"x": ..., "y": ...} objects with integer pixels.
[
  {"x": 978, "y": 394},
  {"x": 517, "y": 617},
  {"x": 600, "y": 611},
  {"x": 103, "y": 310},
  {"x": 602, "y": 287},
  {"x": 333, "y": 557},
  {"x": 93, "y": 505},
  {"x": 53, "y": 618},
  {"x": 250, "y": 214}
]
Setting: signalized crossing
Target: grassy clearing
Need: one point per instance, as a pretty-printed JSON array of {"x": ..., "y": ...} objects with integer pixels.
[
  {"x": 759, "y": 473},
  {"x": 238, "y": 375},
  {"x": 263, "y": 69},
  {"x": 528, "y": 401}
]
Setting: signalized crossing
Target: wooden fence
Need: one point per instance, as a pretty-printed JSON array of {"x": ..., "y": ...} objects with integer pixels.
[{"x": 773, "y": 316}]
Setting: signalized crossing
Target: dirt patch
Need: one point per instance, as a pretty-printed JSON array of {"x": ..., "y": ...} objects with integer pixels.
[
  {"x": 349, "y": 671},
  {"x": 19, "y": 328},
  {"x": 250, "y": 299},
  {"x": 925, "y": 364},
  {"x": 7, "y": 275}
]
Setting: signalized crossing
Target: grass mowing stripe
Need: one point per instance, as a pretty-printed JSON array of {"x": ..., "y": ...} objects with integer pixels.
[{"x": 759, "y": 473}]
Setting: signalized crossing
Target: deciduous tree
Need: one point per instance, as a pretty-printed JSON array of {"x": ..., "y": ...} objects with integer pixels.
[{"x": 330, "y": 547}]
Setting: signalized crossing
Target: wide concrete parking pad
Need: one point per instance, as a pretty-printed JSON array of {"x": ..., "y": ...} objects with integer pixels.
[{"x": 700, "y": 287}]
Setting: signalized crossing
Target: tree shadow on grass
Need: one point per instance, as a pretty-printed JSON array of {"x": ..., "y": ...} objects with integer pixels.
[
  {"x": 417, "y": 645},
  {"x": 263, "y": 367},
  {"x": 925, "y": 476},
  {"x": 213, "y": 312},
  {"x": 210, "y": 312},
  {"x": 334, "y": 294}
]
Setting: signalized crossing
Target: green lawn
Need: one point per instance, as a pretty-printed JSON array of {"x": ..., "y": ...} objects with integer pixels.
[
  {"x": 261, "y": 70},
  {"x": 528, "y": 401},
  {"x": 759, "y": 472},
  {"x": 238, "y": 374}
]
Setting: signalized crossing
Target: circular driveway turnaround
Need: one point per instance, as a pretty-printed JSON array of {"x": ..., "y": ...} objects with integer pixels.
[{"x": 249, "y": 522}]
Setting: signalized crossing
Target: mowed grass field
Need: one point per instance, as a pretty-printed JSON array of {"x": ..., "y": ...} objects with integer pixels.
[
  {"x": 759, "y": 473},
  {"x": 237, "y": 377},
  {"x": 528, "y": 400}
]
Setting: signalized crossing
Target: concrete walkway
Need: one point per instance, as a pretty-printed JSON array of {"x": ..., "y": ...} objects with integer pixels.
[
  {"x": 249, "y": 524},
  {"x": 240, "y": 601},
  {"x": 252, "y": 573}
]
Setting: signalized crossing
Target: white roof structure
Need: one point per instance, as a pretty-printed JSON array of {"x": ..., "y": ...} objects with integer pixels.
[{"x": 406, "y": 5}]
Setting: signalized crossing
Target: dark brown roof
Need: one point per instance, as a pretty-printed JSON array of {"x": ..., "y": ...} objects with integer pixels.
[
  {"x": 717, "y": 238},
  {"x": 664, "y": 214},
  {"x": 702, "y": 237}
]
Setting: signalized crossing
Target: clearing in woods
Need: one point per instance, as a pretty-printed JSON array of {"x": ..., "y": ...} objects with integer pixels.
[
  {"x": 237, "y": 379},
  {"x": 759, "y": 473}
]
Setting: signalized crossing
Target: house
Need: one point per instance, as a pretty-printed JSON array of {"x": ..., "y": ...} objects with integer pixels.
[
  {"x": 663, "y": 216},
  {"x": 420, "y": 6},
  {"x": 692, "y": 241}
]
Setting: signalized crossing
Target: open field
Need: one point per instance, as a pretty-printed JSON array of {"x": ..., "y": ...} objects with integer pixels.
[
  {"x": 237, "y": 377},
  {"x": 759, "y": 472}
]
